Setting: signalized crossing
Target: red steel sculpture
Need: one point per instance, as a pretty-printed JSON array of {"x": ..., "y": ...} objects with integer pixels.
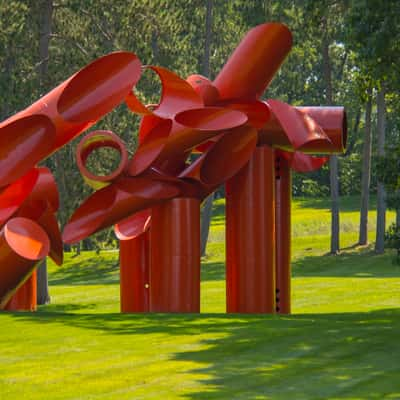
[{"x": 154, "y": 198}]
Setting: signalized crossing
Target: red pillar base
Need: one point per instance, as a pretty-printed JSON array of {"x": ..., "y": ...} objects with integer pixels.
[
  {"x": 250, "y": 236},
  {"x": 134, "y": 274},
  {"x": 175, "y": 256},
  {"x": 283, "y": 197},
  {"x": 25, "y": 298}
]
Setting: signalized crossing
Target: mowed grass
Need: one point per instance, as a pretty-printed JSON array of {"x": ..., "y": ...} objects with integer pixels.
[{"x": 341, "y": 342}]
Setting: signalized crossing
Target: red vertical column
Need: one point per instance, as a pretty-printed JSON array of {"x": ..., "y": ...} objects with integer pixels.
[
  {"x": 283, "y": 199},
  {"x": 250, "y": 236},
  {"x": 175, "y": 256},
  {"x": 25, "y": 298},
  {"x": 134, "y": 273}
]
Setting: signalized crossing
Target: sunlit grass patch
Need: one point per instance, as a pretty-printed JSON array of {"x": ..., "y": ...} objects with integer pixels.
[{"x": 340, "y": 343}]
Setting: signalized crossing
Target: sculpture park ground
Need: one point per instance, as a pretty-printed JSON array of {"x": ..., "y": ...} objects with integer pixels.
[{"x": 341, "y": 342}]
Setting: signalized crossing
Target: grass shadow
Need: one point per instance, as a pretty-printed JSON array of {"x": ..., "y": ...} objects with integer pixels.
[
  {"x": 66, "y": 308},
  {"x": 308, "y": 356},
  {"x": 303, "y": 357},
  {"x": 212, "y": 271},
  {"x": 87, "y": 270},
  {"x": 358, "y": 262},
  {"x": 347, "y": 203}
]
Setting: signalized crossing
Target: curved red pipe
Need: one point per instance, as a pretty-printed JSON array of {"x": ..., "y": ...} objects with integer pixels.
[{"x": 65, "y": 112}]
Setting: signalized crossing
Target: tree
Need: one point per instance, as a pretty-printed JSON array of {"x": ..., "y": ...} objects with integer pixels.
[
  {"x": 333, "y": 160},
  {"x": 373, "y": 34},
  {"x": 381, "y": 195},
  {"x": 46, "y": 17},
  {"x": 366, "y": 172},
  {"x": 208, "y": 202}
]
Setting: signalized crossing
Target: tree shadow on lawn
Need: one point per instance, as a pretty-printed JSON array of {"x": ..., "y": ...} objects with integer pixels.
[
  {"x": 347, "y": 203},
  {"x": 87, "y": 271},
  {"x": 67, "y": 308},
  {"x": 361, "y": 263},
  {"x": 218, "y": 210},
  {"x": 306, "y": 356},
  {"x": 212, "y": 271},
  {"x": 105, "y": 271},
  {"x": 349, "y": 264}
]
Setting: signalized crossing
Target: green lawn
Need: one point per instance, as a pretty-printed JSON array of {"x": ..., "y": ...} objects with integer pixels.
[{"x": 342, "y": 341}]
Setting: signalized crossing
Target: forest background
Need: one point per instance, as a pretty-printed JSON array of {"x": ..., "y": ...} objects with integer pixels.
[{"x": 344, "y": 53}]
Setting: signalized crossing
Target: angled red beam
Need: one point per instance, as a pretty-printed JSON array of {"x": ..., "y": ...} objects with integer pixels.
[
  {"x": 255, "y": 61},
  {"x": 250, "y": 236},
  {"x": 222, "y": 160},
  {"x": 204, "y": 88},
  {"x": 23, "y": 243},
  {"x": 25, "y": 298},
  {"x": 40, "y": 205},
  {"x": 15, "y": 194},
  {"x": 176, "y": 95},
  {"x": 333, "y": 121},
  {"x": 168, "y": 143},
  {"x": 303, "y": 163},
  {"x": 24, "y": 141},
  {"x": 35, "y": 197},
  {"x": 306, "y": 129},
  {"x": 41, "y": 212},
  {"x": 112, "y": 204}
]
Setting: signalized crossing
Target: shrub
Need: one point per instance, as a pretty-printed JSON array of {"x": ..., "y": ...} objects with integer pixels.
[{"x": 392, "y": 240}]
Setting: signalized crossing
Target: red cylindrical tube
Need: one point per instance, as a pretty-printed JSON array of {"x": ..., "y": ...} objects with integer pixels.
[
  {"x": 254, "y": 62},
  {"x": 23, "y": 243},
  {"x": 283, "y": 198},
  {"x": 204, "y": 87},
  {"x": 96, "y": 140},
  {"x": 175, "y": 256},
  {"x": 25, "y": 298},
  {"x": 250, "y": 236},
  {"x": 112, "y": 204},
  {"x": 310, "y": 130},
  {"x": 134, "y": 273}
]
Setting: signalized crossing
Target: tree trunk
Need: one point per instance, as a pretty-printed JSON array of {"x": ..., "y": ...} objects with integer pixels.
[
  {"x": 366, "y": 173},
  {"x": 9, "y": 64},
  {"x": 333, "y": 161},
  {"x": 351, "y": 143},
  {"x": 208, "y": 203},
  {"x": 42, "y": 287},
  {"x": 335, "y": 222},
  {"x": 46, "y": 15},
  {"x": 381, "y": 196},
  {"x": 206, "y": 214}
]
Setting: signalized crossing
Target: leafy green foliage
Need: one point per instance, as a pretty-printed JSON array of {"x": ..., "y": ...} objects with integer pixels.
[
  {"x": 388, "y": 171},
  {"x": 171, "y": 33},
  {"x": 392, "y": 240},
  {"x": 374, "y": 35}
]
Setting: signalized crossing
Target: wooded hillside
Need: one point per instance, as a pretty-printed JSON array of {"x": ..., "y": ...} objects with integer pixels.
[{"x": 345, "y": 53}]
